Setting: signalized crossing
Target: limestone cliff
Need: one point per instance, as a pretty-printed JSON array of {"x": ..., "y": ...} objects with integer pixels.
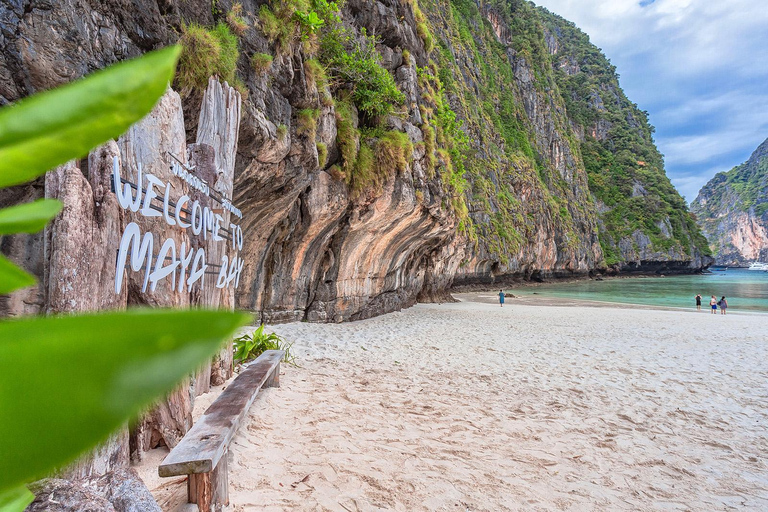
[
  {"x": 732, "y": 210},
  {"x": 388, "y": 150},
  {"x": 644, "y": 222}
]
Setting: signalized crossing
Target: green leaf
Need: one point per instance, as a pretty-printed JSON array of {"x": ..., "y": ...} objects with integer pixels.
[
  {"x": 12, "y": 277},
  {"x": 28, "y": 217},
  {"x": 49, "y": 129},
  {"x": 67, "y": 382},
  {"x": 15, "y": 500}
]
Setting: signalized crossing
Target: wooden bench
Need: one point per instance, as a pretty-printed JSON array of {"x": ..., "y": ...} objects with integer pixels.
[{"x": 202, "y": 453}]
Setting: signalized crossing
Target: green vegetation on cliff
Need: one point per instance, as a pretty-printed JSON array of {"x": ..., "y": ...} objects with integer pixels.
[
  {"x": 529, "y": 74},
  {"x": 206, "y": 52},
  {"x": 748, "y": 182},
  {"x": 522, "y": 119},
  {"x": 625, "y": 169},
  {"x": 736, "y": 200},
  {"x": 513, "y": 185}
]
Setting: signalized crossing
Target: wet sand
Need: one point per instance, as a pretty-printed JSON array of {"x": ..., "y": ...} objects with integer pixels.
[{"x": 469, "y": 406}]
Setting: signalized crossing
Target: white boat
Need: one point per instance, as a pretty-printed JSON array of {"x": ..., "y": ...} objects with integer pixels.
[{"x": 758, "y": 266}]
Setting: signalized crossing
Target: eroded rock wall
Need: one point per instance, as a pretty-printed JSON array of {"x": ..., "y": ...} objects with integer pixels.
[
  {"x": 644, "y": 224},
  {"x": 314, "y": 249}
]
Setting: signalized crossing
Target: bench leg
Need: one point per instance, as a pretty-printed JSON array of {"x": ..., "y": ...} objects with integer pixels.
[
  {"x": 274, "y": 379},
  {"x": 210, "y": 490}
]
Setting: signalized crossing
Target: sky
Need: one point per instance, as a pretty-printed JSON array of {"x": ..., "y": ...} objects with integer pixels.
[{"x": 700, "y": 69}]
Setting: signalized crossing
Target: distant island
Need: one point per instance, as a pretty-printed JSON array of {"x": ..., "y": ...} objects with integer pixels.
[{"x": 732, "y": 210}]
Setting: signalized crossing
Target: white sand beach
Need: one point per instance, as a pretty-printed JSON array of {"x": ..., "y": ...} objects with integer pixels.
[{"x": 470, "y": 406}]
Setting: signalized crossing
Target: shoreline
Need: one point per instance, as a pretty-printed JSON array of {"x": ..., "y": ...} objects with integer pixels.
[
  {"x": 544, "y": 301},
  {"x": 520, "y": 281},
  {"x": 551, "y": 301}
]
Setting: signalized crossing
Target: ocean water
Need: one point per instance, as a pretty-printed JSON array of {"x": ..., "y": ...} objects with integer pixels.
[{"x": 745, "y": 290}]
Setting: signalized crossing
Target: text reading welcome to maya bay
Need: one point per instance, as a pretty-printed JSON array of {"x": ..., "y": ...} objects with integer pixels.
[{"x": 183, "y": 265}]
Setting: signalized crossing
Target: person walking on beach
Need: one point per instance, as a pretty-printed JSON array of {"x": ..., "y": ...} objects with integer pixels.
[
  {"x": 501, "y": 298},
  {"x": 723, "y": 305},
  {"x": 698, "y": 302},
  {"x": 713, "y": 304}
]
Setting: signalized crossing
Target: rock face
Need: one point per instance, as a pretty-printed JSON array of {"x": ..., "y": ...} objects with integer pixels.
[
  {"x": 644, "y": 223},
  {"x": 57, "y": 495},
  {"x": 732, "y": 210},
  {"x": 120, "y": 490},
  {"x": 78, "y": 253},
  {"x": 494, "y": 187}
]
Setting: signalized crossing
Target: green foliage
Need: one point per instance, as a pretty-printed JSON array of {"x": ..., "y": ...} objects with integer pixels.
[
  {"x": 426, "y": 36},
  {"x": 748, "y": 182},
  {"x": 373, "y": 89},
  {"x": 251, "y": 346},
  {"x": 422, "y": 27},
  {"x": 289, "y": 21},
  {"x": 13, "y": 277},
  {"x": 350, "y": 60},
  {"x": 261, "y": 62},
  {"x": 28, "y": 217},
  {"x": 322, "y": 154},
  {"x": 364, "y": 176},
  {"x": 228, "y": 55},
  {"x": 336, "y": 173},
  {"x": 235, "y": 19},
  {"x": 309, "y": 21},
  {"x": 273, "y": 28},
  {"x": 347, "y": 135},
  {"x": 394, "y": 151},
  {"x": 15, "y": 500},
  {"x": 430, "y": 143},
  {"x": 307, "y": 122},
  {"x": 40, "y": 132},
  {"x": 316, "y": 73},
  {"x": 206, "y": 52},
  {"x": 354, "y": 64},
  {"x": 63, "y": 389}
]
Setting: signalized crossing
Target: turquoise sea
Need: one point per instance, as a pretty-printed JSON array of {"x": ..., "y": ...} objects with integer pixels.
[{"x": 745, "y": 290}]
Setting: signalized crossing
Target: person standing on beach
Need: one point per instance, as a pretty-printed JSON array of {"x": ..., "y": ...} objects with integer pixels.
[
  {"x": 698, "y": 302},
  {"x": 723, "y": 305},
  {"x": 501, "y": 298},
  {"x": 713, "y": 304}
]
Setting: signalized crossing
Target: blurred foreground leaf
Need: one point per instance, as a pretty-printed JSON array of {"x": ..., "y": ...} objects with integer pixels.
[
  {"x": 48, "y": 129},
  {"x": 12, "y": 277},
  {"x": 28, "y": 217},
  {"x": 15, "y": 500},
  {"x": 66, "y": 383}
]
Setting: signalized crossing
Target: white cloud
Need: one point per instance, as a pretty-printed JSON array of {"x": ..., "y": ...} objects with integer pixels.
[{"x": 740, "y": 125}]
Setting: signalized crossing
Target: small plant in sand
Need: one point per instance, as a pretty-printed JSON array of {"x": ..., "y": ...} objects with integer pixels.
[{"x": 251, "y": 346}]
